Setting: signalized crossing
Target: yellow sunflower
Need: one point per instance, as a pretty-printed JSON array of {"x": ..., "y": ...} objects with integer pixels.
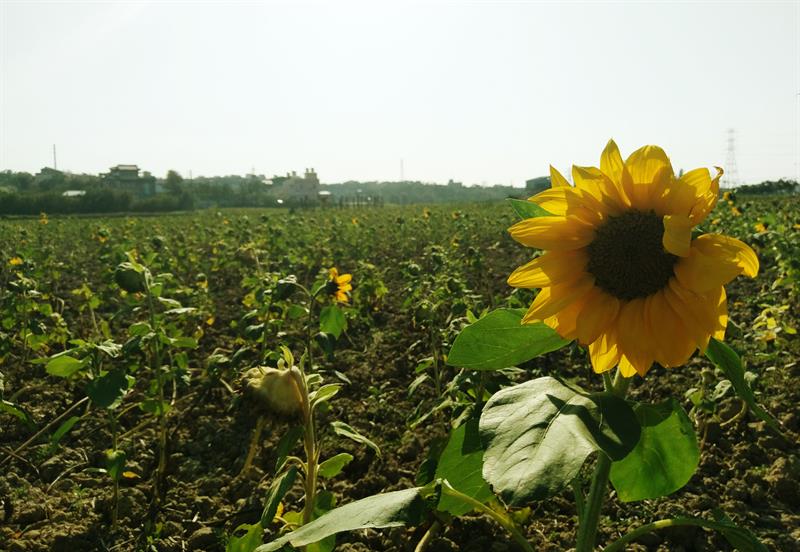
[
  {"x": 339, "y": 285},
  {"x": 621, "y": 272}
]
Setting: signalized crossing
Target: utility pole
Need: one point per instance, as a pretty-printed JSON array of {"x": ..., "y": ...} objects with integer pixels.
[{"x": 55, "y": 165}]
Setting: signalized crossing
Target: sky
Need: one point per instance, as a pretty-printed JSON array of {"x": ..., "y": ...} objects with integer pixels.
[{"x": 478, "y": 92}]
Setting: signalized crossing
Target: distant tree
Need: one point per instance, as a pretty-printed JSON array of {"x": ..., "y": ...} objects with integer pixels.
[{"x": 174, "y": 182}]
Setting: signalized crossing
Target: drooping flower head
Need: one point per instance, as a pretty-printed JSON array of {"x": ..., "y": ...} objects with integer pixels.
[
  {"x": 621, "y": 272},
  {"x": 339, "y": 285}
]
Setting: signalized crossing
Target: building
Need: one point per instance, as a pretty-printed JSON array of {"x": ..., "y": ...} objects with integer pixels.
[
  {"x": 536, "y": 185},
  {"x": 294, "y": 189},
  {"x": 126, "y": 178}
]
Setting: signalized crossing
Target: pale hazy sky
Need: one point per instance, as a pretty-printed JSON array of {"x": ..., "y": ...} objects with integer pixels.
[{"x": 481, "y": 92}]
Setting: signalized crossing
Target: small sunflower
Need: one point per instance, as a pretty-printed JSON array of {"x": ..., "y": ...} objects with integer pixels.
[
  {"x": 622, "y": 273},
  {"x": 15, "y": 261},
  {"x": 339, "y": 285}
]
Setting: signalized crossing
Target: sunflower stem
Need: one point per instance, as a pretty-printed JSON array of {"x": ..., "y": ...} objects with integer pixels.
[{"x": 587, "y": 524}]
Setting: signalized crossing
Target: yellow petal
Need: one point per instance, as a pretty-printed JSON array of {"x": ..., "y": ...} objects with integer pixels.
[
  {"x": 594, "y": 182},
  {"x": 599, "y": 312},
  {"x": 706, "y": 202},
  {"x": 677, "y": 234},
  {"x": 682, "y": 194},
  {"x": 558, "y": 233},
  {"x": 611, "y": 163},
  {"x": 697, "y": 311},
  {"x": 722, "y": 316},
  {"x": 551, "y": 268},
  {"x": 713, "y": 261},
  {"x": 557, "y": 180},
  {"x": 635, "y": 341},
  {"x": 644, "y": 165},
  {"x": 344, "y": 278},
  {"x": 673, "y": 342},
  {"x": 551, "y": 300},
  {"x": 565, "y": 320},
  {"x": 570, "y": 202},
  {"x": 626, "y": 368},
  {"x": 604, "y": 352}
]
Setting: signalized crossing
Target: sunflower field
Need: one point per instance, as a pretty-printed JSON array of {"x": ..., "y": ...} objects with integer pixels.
[{"x": 367, "y": 379}]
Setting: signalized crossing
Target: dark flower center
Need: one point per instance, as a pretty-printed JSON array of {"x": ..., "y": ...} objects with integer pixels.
[{"x": 627, "y": 257}]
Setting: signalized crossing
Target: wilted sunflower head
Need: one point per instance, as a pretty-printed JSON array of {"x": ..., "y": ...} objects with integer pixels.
[
  {"x": 621, "y": 272},
  {"x": 338, "y": 285}
]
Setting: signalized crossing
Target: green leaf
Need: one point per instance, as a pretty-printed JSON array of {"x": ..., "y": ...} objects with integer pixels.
[
  {"x": 115, "y": 463},
  {"x": 739, "y": 537},
  {"x": 286, "y": 444},
  {"x": 729, "y": 362},
  {"x": 334, "y": 465},
  {"x": 183, "y": 342},
  {"x": 393, "y": 509},
  {"x": 154, "y": 406},
  {"x": 538, "y": 434},
  {"x": 63, "y": 429},
  {"x": 499, "y": 340},
  {"x": 332, "y": 321},
  {"x": 461, "y": 464},
  {"x": 16, "y": 411},
  {"x": 64, "y": 366},
  {"x": 106, "y": 390},
  {"x": 665, "y": 458},
  {"x": 528, "y": 209},
  {"x": 324, "y": 393},
  {"x": 249, "y": 541},
  {"x": 341, "y": 428},
  {"x": 277, "y": 491}
]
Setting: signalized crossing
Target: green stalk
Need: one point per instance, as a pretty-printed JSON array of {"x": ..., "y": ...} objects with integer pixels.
[
  {"x": 162, "y": 425},
  {"x": 587, "y": 526},
  {"x": 502, "y": 519},
  {"x": 312, "y": 454}
]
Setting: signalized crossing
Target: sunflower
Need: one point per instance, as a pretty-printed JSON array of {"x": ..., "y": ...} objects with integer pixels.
[
  {"x": 339, "y": 285},
  {"x": 622, "y": 272}
]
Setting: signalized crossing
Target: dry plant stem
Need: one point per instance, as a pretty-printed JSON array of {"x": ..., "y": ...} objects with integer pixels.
[
  {"x": 587, "y": 526},
  {"x": 115, "y": 505},
  {"x": 426, "y": 539},
  {"x": 251, "y": 452},
  {"x": 506, "y": 522},
  {"x": 36, "y": 435}
]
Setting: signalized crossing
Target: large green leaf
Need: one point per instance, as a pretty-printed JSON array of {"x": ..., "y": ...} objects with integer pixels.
[
  {"x": 64, "y": 366},
  {"x": 247, "y": 542},
  {"x": 334, "y": 465},
  {"x": 538, "y": 434},
  {"x": 332, "y": 321},
  {"x": 499, "y": 340},
  {"x": 729, "y": 362},
  {"x": 393, "y": 509},
  {"x": 528, "y": 209},
  {"x": 107, "y": 389},
  {"x": 280, "y": 486},
  {"x": 665, "y": 458},
  {"x": 461, "y": 464}
]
